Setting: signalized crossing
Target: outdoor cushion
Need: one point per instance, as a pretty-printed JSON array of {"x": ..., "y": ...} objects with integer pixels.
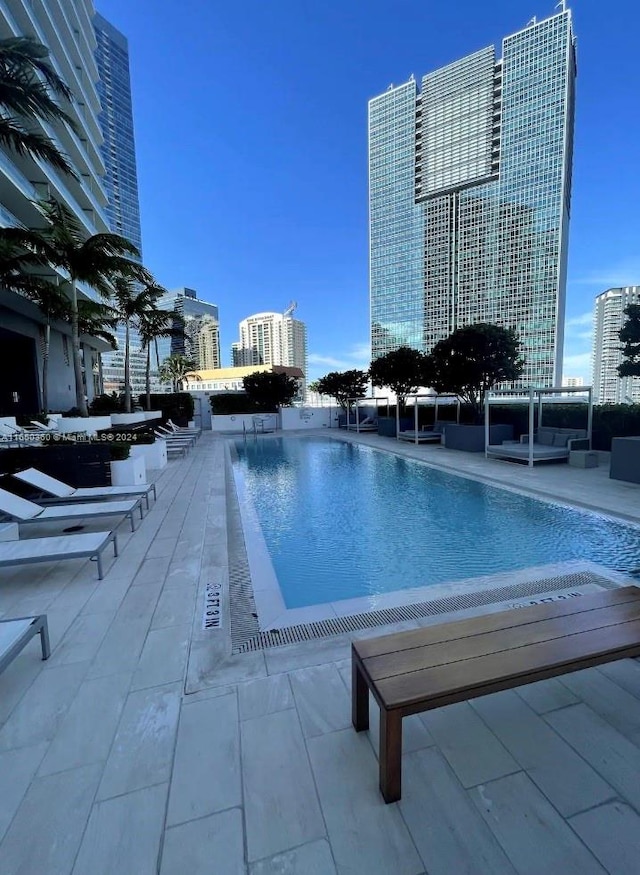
[
  {"x": 560, "y": 440},
  {"x": 546, "y": 438}
]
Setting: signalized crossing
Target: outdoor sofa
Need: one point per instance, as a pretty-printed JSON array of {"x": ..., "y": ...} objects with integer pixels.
[
  {"x": 424, "y": 435},
  {"x": 549, "y": 444}
]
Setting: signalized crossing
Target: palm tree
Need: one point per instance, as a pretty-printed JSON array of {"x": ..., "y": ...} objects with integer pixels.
[
  {"x": 24, "y": 96},
  {"x": 174, "y": 370},
  {"x": 95, "y": 260},
  {"x": 152, "y": 325},
  {"x": 132, "y": 304}
]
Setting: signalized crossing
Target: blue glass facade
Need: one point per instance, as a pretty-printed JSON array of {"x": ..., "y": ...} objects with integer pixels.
[
  {"x": 120, "y": 180},
  {"x": 492, "y": 158}
]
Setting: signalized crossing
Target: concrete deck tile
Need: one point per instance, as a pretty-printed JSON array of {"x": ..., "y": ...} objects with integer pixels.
[
  {"x": 142, "y": 751},
  {"x": 265, "y": 696},
  {"x": 17, "y": 768},
  {"x": 531, "y": 832},
  {"x": 175, "y": 607},
  {"x": 367, "y": 836},
  {"x": 204, "y": 846},
  {"x": 83, "y": 639},
  {"x": 121, "y": 647},
  {"x": 281, "y": 805},
  {"x": 45, "y": 834},
  {"x": 123, "y": 835},
  {"x": 152, "y": 570},
  {"x": 321, "y": 699},
  {"x": 547, "y": 695},
  {"x": 612, "y": 833},
  {"x": 108, "y": 596},
  {"x": 43, "y": 706},
  {"x": 568, "y": 782},
  {"x": 206, "y": 772},
  {"x": 295, "y": 656},
  {"x": 87, "y": 730},
  {"x": 610, "y": 753},
  {"x": 450, "y": 834},
  {"x": 209, "y": 669},
  {"x": 473, "y": 752},
  {"x": 312, "y": 859},
  {"x": 618, "y": 707},
  {"x": 625, "y": 673},
  {"x": 164, "y": 657}
]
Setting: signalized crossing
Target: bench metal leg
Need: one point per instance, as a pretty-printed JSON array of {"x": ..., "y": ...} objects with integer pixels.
[
  {"x": 359, "y": 698},
  {"x": 132, "y": 521},
  {"x": 44, "y": 638},
  {"x": 155, "y": 494},
  {"x": 99, "y": 563},
  {"x": 390, "y": 755}
]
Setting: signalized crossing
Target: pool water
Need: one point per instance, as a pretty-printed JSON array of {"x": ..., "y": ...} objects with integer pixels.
[{"x": 344, "y": 521}]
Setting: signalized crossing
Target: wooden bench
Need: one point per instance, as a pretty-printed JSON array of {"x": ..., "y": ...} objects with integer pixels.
[{"x": 415, "y": 671}]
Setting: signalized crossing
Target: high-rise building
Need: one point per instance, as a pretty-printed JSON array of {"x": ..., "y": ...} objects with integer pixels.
[
  {"x": 609, "y": 318},
  {"x": 208, "y": 344},
  {"x": 120, "y": 182},
  {"x": 273, "y": 339},
  {"x": 67, "y": 30},
  {"x": 469, "y": 197},
  {"x": 190, "y": 314},
  {"x": 573, "y": 382}
]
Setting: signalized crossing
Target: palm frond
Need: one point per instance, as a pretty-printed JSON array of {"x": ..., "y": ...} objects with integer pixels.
[
  {"x": 23, "y": 52},
  {"x": 18, "y": 139}
]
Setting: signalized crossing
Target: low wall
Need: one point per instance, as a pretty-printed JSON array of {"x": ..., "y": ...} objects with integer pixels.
[
  {"x": 232, "y": 423},
  {"x": 471, "y": 438},
  {"x": 308, "y": 417}
]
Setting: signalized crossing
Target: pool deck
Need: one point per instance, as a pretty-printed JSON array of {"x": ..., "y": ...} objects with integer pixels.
[{"x": 143, "y": 745}]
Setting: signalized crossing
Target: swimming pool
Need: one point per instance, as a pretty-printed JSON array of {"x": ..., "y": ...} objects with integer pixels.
[{"x": 343, "y": 521}]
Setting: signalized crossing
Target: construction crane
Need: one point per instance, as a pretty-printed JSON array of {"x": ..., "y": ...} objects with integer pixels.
[{"x": 291, "y": 308}]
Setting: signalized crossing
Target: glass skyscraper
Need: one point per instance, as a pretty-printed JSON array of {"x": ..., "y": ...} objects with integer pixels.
[
  {"x": 120, "y": 180},
  {"x": 469, "y": 198}
]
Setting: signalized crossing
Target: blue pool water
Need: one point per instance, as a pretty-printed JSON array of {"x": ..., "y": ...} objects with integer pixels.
[{"x": 342, "y": 521}]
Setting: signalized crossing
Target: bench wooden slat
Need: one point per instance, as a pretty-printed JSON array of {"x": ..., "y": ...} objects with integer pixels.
[
  {"x": 450, "y": 631},
  {"x": 427, "y": 668},
  {"x": 503, "y": 641},
  {"x": 465, "y": 677}
]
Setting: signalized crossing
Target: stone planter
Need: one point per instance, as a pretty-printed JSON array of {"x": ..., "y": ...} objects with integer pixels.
[
  {"x": 154, "y": 455},
  {"x": 470, "y": 438},
  {"x": 127, "y": 418},
  {"x": 87, "y": 424},
  {"x": 129, "y": 472},
  {"x": 153, "y": 414}
]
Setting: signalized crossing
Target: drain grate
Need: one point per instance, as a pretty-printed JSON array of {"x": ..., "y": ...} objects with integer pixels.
[{"x": 371, "y": 619}]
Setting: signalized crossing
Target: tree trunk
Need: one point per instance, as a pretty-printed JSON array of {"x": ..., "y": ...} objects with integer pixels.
[
  {"x": 45, "y": 368},
  {"x": 127, "y": 367},
  {"x": 148, "y": 375},
  {"x": 81, "y": 401}
]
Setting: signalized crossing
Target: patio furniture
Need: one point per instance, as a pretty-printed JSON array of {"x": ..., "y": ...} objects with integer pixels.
[
  {"x": 416, "y": 671},
  {"x": 183, "y": 429},
  {"x": 16, "y": 634},
  {"x": 625, "y": 459},
  {"x": 170, "y": 435},
  {"x": 185, "y": 442},
  {"x": 583, "y": 459},
  {"x": 80, "y": 546},
  {"x": 424, "y": 436},
  {"x": 28, "y": 512},
  {"x": 549, "y": 444},
  {"x": 61, "y": 490}
]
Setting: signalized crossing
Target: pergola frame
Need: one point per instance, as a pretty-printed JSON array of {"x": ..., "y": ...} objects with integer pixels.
[
  {"x": 433, "y": 396},
  {"x": 535, "y": 398},
  {"x": 369, "y": 399}
]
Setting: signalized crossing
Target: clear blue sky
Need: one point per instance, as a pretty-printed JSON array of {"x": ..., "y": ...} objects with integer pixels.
[{"x": 250, "y": 121}]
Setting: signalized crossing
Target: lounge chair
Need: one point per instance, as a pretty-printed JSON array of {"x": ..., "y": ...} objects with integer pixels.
[
  {"x": 67, "y": 493},
  {"x": 550, "y": 444},
  {"x": 16, "y": 634},
  {"x": 365, "y": 424},
  {"x": 80, "y": 546},
  {"x": 182, "y": 429},
  {"x": 27, "y": 512},
  {"x": 176, "y": 438}
]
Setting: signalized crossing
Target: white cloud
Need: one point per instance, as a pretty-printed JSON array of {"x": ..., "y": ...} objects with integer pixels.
[
  {"x": 578, "y": 365},
  {"x": 625, "y": 273},
  {"x": 357, "y": 357},
  {"x": 577, "y": 321}
]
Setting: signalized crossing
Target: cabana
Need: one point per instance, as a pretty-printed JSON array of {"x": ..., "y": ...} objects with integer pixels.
[
  {"x": 541, "y": 443},
  {"x": 367, "y": 423},
  {"x": 426, "y": 435}
]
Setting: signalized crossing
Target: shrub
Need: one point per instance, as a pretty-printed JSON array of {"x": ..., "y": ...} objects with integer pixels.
[
  {"x": 177, "y": 406},
  {"x": 105, "y": 404},
  {"x": 230, "y": 404},
  {"x": 119, "y": 451}
]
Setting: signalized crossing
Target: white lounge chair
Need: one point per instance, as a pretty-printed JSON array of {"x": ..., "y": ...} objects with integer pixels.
[
  {"x": 79, "y": 546},
  {"x": 177, "y": 437},
  {"x": 16, "y": 634},
  {"x": 61, "y": 490},
  {"x": 182, "y": 443},
  {"x": 182, "y": 429},
  {"x": 27, "y": 512}
]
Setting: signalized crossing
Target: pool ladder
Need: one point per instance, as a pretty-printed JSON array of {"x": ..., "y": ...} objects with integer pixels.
[{"x": 254, "y": 429}]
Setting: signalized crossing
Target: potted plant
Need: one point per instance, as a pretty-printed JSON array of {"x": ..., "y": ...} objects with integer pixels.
[{"x": 126, "y": 470}]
